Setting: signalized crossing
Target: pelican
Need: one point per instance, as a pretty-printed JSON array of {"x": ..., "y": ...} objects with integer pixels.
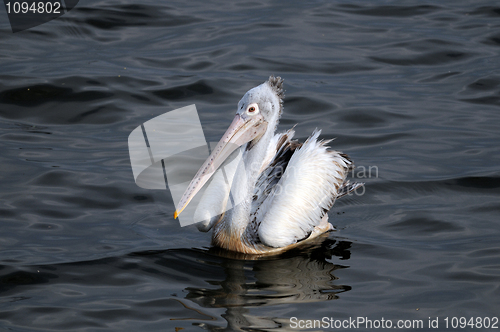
[{"x": 285, "y": 188}]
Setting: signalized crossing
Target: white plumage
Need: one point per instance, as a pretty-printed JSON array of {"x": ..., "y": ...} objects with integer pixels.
[
  {"x": 305, "y": 191},
  {"x": 281, "y": 189}
]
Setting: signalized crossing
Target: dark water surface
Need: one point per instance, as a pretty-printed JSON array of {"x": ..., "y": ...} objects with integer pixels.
[{"x": 409, "y": 88}]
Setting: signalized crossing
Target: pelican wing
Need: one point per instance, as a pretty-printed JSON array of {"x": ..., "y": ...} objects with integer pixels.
[
  {"x": 279, "y": 155},
  {"x": 297, "y": 189}
]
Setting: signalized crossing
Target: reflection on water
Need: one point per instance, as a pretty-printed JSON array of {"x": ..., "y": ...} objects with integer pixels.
[
  {"x": 211, "y": 279},
  {"x": 297, "y": 277}
]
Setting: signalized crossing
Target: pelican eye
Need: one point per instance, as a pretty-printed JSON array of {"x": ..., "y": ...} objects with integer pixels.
[{"x": 253, "y": 109}]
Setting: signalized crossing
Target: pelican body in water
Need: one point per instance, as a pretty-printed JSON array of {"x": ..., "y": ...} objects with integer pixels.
[{"x": 284, "y": 188}]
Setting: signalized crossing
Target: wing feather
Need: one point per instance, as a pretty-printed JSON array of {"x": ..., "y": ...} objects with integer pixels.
[{"x": 297, "y": 189}]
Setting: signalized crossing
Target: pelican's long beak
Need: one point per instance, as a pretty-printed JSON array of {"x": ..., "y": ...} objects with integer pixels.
[{"x": 241, "y": 131}]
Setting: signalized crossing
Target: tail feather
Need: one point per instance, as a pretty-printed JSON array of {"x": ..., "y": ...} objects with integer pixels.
[{"x": 348, "y": 187}]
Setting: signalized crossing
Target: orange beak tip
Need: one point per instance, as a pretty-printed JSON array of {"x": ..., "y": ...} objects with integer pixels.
[{"x": 176, "y": 214}]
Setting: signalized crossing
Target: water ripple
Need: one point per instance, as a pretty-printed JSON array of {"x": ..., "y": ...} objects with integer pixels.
[{"x": 410, "y": 91}]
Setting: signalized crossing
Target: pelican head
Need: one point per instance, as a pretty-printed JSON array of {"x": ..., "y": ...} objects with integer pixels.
[
  {"x": 258, "y": 110},
  {"x": 265, "y": 100}
]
